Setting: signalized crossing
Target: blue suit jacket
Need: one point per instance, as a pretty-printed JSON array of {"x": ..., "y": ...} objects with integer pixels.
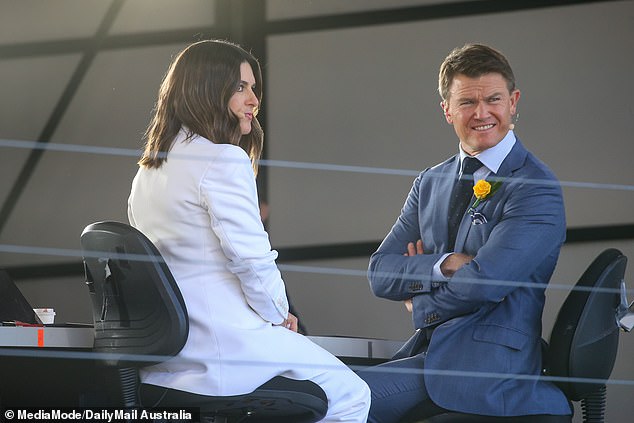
[{"x": 485, "y": 354}]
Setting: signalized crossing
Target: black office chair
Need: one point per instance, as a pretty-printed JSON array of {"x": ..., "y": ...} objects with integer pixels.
[
  {"x": 140, "y": 319},
  {"x": 582, "y": 349}
]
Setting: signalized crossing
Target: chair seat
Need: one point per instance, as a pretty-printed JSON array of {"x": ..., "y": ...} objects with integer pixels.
[
  {"x": 429, "y": 412},
  {"x": 473, "y": 418},
  {"x": 280, "y": 399}
]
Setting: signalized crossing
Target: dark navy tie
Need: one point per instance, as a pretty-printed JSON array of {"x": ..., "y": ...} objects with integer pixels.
[{"x": 460, "y": 197}]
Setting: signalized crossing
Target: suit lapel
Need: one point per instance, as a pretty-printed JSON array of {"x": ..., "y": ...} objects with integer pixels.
[
  {"x": 442, "y": 177},
  {"x": 513, "y": 161}
]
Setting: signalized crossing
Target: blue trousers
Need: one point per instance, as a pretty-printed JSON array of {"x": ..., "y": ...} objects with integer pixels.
[
  {"x": 397, "y": 388},
  {"x": 398, "y": 393}
]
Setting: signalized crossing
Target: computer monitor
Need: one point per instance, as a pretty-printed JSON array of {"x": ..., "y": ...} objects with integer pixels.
[{"x": 13, "y": 305}]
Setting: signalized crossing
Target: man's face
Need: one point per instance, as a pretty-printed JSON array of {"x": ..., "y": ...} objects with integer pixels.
[{"x": 480, "y": 110}]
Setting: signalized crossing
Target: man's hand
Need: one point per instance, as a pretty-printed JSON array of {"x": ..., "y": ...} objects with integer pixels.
[
  {"x": 453, "y": 263},
  {"x": 413, "y": 249},
  {"x": 409, "y": 305}
]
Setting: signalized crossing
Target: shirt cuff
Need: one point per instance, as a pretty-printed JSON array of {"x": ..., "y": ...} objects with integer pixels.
[{"x": 437, "y": 275}]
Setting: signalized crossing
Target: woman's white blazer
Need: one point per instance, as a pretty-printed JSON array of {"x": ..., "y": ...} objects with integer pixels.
[{"x": 200, "y": 208}]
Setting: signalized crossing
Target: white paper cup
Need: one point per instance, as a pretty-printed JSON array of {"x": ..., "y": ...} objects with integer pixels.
[{"x": 46, "y": 315}]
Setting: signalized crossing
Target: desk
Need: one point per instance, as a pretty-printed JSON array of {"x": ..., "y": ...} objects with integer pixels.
[
  {"x": 46, "y": 337},
  {"x": 62, "y": 371},
  {"x": 51, "y": 366},
  {"x": 82, "y": 338}
]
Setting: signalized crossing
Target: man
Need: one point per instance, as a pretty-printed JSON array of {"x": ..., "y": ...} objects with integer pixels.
[{"x": 474, "y": 275}]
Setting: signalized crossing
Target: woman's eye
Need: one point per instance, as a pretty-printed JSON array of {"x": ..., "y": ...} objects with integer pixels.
[{"x": 240, "y": 88}]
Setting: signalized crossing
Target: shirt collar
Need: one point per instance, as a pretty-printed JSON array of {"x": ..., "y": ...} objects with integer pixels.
[{"x": 493, "y": 157}]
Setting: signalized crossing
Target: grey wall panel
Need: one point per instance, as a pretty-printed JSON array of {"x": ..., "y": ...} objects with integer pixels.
[
  {"x": 156, "y": 15},
  {"x": 29, "y": 91},
  {"x": 285, "y": 9},
  {"x": 34, "y": 20},
  {"x": 113, "y": 104}
]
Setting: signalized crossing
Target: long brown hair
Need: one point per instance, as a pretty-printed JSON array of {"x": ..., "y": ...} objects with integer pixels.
[{"x": 195, "y": 94}]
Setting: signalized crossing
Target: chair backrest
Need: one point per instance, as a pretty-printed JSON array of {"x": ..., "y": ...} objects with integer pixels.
[
  {"x": 137, "y": 306},
  {"x": 584, "y": 340}
]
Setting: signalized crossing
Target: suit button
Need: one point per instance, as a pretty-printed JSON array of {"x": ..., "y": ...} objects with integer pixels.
[{"x": 432, "y": 318}]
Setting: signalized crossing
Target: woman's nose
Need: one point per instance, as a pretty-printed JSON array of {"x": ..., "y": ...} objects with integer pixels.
[{"x": 252, "y": 100}]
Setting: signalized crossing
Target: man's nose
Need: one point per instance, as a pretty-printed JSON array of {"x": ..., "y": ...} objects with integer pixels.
[{"x": 481, "y": 110}]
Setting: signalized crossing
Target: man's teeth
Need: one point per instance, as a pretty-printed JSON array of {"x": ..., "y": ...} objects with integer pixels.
[{"x": 483, "y": 127}]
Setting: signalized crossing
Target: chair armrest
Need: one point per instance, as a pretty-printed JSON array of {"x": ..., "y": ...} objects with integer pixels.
[{"x": 625, "y": 312}]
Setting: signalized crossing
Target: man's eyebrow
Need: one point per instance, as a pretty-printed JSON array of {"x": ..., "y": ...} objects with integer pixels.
[
  {"x": 464, "y": 98},
  {"x": 471, "y": 98}
]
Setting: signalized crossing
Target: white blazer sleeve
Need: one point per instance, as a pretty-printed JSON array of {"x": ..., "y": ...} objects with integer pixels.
[{"x": 229, "y": 192}]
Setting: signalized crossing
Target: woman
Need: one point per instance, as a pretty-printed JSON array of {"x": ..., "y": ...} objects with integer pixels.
[{"x": 195, "y": 197}]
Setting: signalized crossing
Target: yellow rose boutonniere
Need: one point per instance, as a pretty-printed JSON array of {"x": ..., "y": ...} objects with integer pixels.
[{"x": 482, "y": 190}]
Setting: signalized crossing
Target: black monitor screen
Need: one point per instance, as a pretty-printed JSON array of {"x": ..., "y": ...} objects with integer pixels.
[{"x": 13, "y": 305}]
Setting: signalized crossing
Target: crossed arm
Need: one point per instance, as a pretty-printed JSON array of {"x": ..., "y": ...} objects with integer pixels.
[{"x": 448, "y": 267}]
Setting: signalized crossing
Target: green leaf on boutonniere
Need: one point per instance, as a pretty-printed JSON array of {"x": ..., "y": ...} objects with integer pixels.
[{"x": 483, "y": 190}]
